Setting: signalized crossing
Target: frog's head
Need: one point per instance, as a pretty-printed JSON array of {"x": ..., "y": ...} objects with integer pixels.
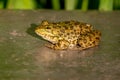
[{"x": 46, "y": 31}]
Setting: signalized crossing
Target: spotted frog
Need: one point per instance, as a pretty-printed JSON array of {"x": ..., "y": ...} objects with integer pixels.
[{"x": 72, "y": 35}]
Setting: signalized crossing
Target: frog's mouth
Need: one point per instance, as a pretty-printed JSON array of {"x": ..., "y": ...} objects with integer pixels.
[
  {"x": 52, "y": 39},
  {"x": 43, "y": 33},
  {"x": 47, "y": 36}
]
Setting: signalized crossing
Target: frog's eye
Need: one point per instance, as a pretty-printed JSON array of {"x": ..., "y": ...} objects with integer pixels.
[
  {"x": 48, "y": 27},
  {"x": 44, "y": 22}
]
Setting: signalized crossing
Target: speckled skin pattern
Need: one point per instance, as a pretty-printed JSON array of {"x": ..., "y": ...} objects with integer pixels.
[{"x": 72, "y": 35}]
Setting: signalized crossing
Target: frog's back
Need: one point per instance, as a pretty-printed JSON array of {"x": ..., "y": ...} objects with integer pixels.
[{"x": 71, "y": 30}]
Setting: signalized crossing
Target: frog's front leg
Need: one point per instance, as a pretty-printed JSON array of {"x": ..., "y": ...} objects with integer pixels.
[{"x": 62, "y": 44}]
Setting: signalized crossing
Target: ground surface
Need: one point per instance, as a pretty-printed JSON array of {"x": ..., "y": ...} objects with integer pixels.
[{"x": 23, "y": 55}]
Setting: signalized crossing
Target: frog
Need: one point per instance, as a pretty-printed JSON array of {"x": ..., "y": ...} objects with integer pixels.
[{"x": 68, "y": 35}]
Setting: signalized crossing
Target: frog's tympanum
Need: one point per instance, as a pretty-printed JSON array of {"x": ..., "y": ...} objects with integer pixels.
[{"x": 72, "y": 35}]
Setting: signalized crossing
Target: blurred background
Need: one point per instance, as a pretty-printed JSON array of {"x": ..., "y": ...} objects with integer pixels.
[{"x": 101, "y": 5}]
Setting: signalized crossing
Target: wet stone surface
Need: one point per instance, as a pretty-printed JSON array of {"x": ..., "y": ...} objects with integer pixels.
[{"x": 23, "y": 55}]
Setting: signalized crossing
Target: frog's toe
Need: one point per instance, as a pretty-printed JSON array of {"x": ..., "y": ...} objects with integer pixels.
[{"x": 49, "y": 46}]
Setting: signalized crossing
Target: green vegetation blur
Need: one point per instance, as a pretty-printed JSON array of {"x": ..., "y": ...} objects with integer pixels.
[{"x": 101, "y": 5}]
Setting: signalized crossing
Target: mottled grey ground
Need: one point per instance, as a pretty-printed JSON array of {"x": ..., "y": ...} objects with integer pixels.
[{"x": 23, "y": 55}]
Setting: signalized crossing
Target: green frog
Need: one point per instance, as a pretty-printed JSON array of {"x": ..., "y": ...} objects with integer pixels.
[{"x": 72, "y": 35}]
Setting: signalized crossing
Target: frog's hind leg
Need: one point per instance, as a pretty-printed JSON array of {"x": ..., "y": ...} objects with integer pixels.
[{"x": 89, "y": 40}]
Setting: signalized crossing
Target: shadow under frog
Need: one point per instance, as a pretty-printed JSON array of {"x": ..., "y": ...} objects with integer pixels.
[{"x": 31, "y": 31}]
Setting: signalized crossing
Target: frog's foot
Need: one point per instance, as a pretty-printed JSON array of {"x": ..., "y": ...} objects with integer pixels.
[
  {"x": 81, "y": 48},
  {"x": 50, "y": 45},
  {"x": 75, "y": 48},
  {"x": 61, "y": 45}
]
